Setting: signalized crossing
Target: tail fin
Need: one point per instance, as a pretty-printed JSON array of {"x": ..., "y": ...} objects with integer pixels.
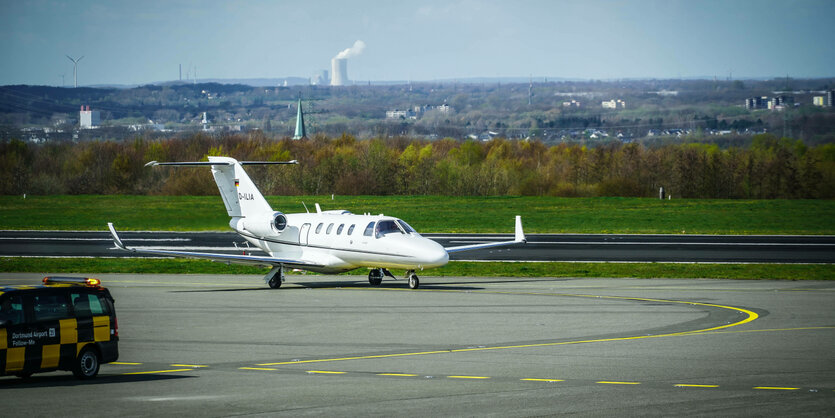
[{"x": 239, "y": 194}]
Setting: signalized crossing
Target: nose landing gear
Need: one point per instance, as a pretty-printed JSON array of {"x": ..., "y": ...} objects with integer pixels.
[{"x": 413, "y": 279}]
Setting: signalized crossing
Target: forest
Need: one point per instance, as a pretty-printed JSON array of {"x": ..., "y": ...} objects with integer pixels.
[{"x": 768, "y": 168}]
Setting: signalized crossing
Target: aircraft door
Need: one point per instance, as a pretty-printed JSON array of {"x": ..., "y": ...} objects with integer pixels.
[{"x": 305, "y": 229}]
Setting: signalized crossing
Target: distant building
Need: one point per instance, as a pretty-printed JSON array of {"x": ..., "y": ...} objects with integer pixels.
[
  {"x": 320, "y": 78},
  {"x": 830, "y": 98},
  {"x": 417, "y": 111},
  {"x": 572, "y": 103},
  {"x": 755, "y": 103},
  {"x": 400, "y": 114},
  {"x": 88, "y": 119},
  {"x": 486, "y": 136},
  {"x": 819, "y": 101},
  {"x": 780, "y": 102},
  {"x": 613, "y": 104},
  {"x": 151, "y": 125}
]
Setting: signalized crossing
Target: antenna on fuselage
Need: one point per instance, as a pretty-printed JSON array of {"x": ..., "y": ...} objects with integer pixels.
[
  {"x": 305, "y": 208},
  {"x": 318, "y": 209}
]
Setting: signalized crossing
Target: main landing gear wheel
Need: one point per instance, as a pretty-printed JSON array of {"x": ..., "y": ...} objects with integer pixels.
[
  {"x": 414, "y": 283},
  {"x": 375, "y": 277},
  {"x": 275, "y": 277}
]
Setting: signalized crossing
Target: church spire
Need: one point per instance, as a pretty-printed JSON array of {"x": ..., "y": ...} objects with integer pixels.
[{"x": 300, "y": 131}]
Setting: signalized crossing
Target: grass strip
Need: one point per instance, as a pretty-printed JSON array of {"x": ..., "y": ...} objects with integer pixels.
[
  {"x": 455, "y": 268},
  {"x": 439, "y": 213}
]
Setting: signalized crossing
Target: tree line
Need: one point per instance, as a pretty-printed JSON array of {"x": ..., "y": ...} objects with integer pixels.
[{"x": 768, "y": 168}]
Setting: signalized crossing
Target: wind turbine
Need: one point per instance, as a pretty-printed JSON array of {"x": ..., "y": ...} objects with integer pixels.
[{"x": 75, "y": 68}]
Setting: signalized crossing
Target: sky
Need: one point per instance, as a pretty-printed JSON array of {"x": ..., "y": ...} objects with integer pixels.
[{"x": 138, "y": 42}]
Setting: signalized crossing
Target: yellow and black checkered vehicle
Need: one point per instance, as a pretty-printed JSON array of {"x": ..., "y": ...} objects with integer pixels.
[{"x": 65, "y": 324}]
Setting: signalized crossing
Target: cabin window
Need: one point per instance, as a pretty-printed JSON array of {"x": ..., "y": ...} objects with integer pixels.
[
  {"x": 387, "y": 227},
  {"x": 339, "y": 230},
  {"x": 330, "y": 228},
  {"x": 351, "y": 229},
  {"x": 319, "y": 228},
  {"x": 369, "y": 230}
]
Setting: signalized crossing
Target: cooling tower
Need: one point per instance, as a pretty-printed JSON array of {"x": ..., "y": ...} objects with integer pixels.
[{"x": 339, "y": 72}]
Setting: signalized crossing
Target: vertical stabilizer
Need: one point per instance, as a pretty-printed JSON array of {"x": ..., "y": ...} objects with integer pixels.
[{"x": 241, "y": 197}]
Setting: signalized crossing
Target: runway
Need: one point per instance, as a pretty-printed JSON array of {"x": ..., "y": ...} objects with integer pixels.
[
  {"x": 334, "y": 346},
  {"x": 540, "y": 247}
]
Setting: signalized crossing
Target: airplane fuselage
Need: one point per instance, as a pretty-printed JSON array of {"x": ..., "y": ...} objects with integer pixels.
[{"x": 341, "y": 241}]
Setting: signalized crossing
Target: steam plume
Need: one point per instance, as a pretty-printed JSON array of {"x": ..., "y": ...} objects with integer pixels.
[{"x": 353, "y": 51}]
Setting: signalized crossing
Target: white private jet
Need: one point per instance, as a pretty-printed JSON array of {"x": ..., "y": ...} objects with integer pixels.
[{"x": 331, "y": 241}]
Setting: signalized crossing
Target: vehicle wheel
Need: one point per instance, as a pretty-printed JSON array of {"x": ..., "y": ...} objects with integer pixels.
[
  {"x": 274, "y": 283},
  {"x": 413, "y": 281},
  {"x": 375, "y": 277},
  {"x": 87, "y": 364}
]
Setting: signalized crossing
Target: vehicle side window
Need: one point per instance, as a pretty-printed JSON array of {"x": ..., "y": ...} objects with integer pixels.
[
  {"x": 369, "y": 230},
  {"x": 319, "y": 228},
  {"x": 351, "y": 229},
  {"x": 330, "y": 228},
  {"x": 11, "y": 310},
  {"x": 51, "y": 306},
  {"x": 87, "y": 304},
  {"x": 339, "y": 230}
]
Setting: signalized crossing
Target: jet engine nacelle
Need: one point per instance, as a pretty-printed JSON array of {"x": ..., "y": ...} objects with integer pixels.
[{"x": 261, "y": 226}]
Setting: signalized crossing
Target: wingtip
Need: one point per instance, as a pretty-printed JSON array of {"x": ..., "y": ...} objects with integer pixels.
[
  {"x": 520, "y": 233},
  {"x": 116, "y": 239}
]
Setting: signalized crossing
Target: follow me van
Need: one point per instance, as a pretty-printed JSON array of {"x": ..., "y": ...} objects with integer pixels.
[{"x": 65, "y": 324}]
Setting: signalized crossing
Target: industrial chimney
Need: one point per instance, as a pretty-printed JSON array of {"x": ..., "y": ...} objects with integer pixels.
[{"x": 339, "y": 72}]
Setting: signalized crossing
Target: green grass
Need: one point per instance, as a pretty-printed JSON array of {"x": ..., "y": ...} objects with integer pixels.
[
  {"x": 439, "y": 213},
  {"x": 467, "y": 269}
]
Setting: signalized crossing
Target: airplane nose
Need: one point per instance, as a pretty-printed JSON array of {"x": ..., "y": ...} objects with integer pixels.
[{"x": 434, "y": 255}]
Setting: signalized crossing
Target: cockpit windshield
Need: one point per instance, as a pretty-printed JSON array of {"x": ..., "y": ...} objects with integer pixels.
[
  {"x": 395, "y": 226},
  {"x": 387, "y": 227},
  {"x": 406, "y": 227}
]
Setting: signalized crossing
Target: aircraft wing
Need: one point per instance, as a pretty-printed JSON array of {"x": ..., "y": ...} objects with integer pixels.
[
  {"x": 518, "y": 239},
  {"x": 226, "y": 258}
]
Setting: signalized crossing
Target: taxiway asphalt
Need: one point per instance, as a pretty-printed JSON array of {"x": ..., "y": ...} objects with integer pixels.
[
  {"x": 334, "y": 346},
  {"x": 540, "y": 247}
]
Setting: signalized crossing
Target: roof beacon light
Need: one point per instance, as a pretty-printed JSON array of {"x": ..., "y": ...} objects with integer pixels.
[{"x": 72, "y": 280}]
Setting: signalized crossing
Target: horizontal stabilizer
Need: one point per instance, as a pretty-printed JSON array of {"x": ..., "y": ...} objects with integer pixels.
[{"x": 204, "y": 163}]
